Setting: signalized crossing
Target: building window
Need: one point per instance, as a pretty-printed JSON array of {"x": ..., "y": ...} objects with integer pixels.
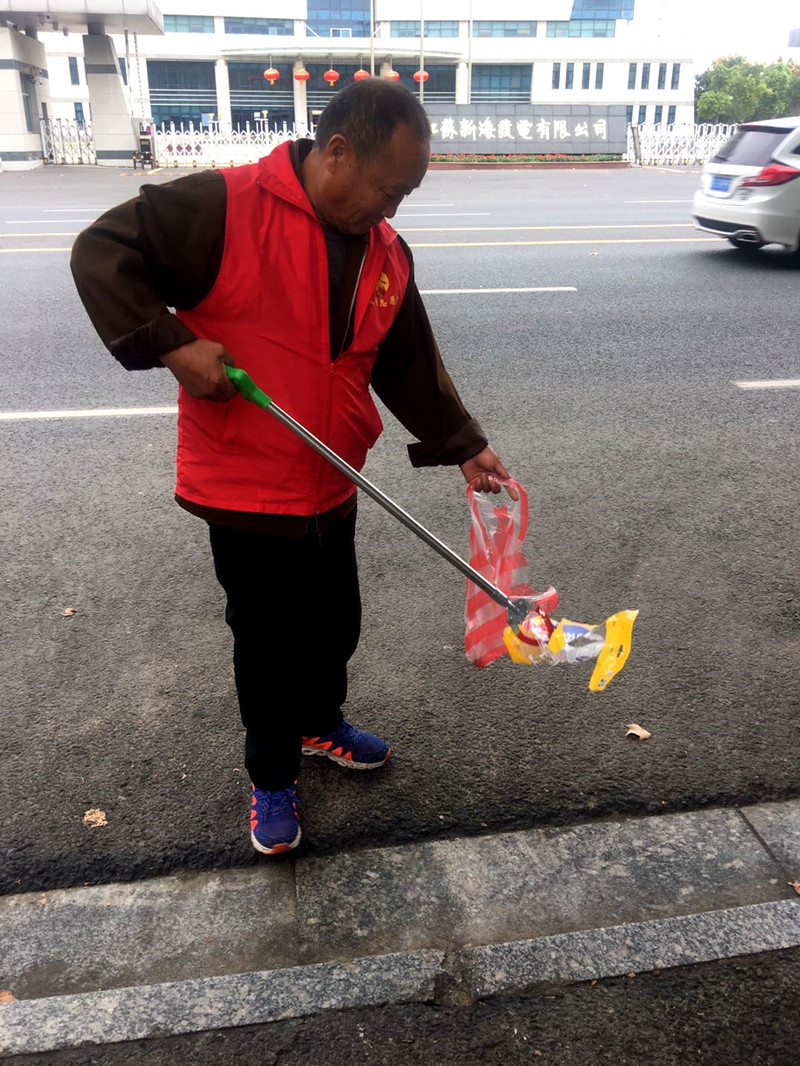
[
  {"x": 501, "y": 83},
  {"x": 670, "y": 116},
  {"x": 586, "y": 74},
  {"x": 629, "y": 115},
  {"x": 556, "y": 75},
  {"x": 410, "y": 28},
  {"x": 568, "y": 80},
  {"x": 602, "y": 9},
  {"x": 79, "y": 116},
  {"x": 645, "y": 75},
  {"x": 341, "y": 31},
  {"x": 74, "y": 75},
  {"x": 325, "y": 16},
  {"x": 658, "y": 114},
  {"x": 181, "y": 91},
  {"x": 598, "y": 75},
  {"x": 26, "y": 103},
  {"x": 438, "y": 28},
  {"x": 582, "y": 28},
  {"x": 483, "y": 28},
  {"x": 662, "y": 75},
  {"x": 266, "y": 27},
  {"x": 188, "y": 24},
  {"x": 676, "y": 75},
  {"x": 123, "y": 69},
  {"x": 642, "y": 116},
  {"x": 631, "y": 75}
]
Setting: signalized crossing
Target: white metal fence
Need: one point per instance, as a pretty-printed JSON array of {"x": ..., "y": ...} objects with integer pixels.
[
  {"x": 684, "y": 143},
  {"x": 217, "y": 146},
  {"x": 67, "y": 141}
]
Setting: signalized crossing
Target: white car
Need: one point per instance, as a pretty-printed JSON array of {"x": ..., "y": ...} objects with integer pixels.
[{"x": 750, "y": 191}]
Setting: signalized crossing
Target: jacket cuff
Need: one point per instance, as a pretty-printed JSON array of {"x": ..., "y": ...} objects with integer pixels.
[
  {"x": 142, "y": 349},
  {"x": 462, "y": 445}
]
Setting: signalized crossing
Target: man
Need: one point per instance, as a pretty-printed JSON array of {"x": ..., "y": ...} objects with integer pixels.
[{"x": 288, "y": 269}]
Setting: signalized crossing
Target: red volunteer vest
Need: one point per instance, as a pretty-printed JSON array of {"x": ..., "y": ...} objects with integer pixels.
[{"x": 269, "y": 308}]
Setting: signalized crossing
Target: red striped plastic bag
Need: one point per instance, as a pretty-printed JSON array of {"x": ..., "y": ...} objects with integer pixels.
[{"x": 497, "y": 532}]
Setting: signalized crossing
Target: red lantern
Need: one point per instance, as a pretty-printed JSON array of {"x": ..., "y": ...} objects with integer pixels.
[
  {"x": 392, "y": 75},
  {"x": 361, "y": 75},
  {"x": 421, "y": 75},
  {"x": 331, "y": 77},
  {"x": 271, "y": 75},
  {"x": 301, "y": 75}
]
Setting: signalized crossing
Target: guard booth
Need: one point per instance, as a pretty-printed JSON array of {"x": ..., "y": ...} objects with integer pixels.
[{"x": 146, "y": 154}]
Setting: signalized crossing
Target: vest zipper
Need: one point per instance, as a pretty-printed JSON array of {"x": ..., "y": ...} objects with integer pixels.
[
  {"x": 353, "y": 300},
  {"x": 330, "y": 382}
]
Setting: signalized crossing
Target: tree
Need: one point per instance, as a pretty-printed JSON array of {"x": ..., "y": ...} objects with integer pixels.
[
  {"x": 735, "y": 90},
  {"x": 714, "y": 107}
]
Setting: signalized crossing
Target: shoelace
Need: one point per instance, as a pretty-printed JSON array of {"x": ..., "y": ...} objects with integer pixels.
[{"x": 275, "y": 801}]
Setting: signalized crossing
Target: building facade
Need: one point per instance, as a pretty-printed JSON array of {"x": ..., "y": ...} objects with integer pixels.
[{"x": 207, "y": 66}]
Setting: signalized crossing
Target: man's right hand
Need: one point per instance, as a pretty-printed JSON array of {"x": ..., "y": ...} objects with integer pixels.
[{"x": 200, "y": 367}]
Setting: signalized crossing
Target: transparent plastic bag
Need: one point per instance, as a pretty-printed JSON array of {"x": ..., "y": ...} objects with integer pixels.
[{"x": 497, "y": 533}]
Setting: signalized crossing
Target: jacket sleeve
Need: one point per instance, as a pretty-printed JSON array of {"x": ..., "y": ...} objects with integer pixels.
[
  {"x": 410, "y": 378},
  {"x": 161, "y": 250}
]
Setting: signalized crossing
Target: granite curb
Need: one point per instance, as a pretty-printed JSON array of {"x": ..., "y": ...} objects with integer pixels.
[{"x": 435, "y": 921}]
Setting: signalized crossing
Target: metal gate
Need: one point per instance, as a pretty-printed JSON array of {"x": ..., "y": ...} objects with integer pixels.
[{"x": 65, "y": 140}]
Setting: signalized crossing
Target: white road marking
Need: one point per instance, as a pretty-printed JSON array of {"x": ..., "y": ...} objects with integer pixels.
[
  {"x": 91, "y": 412},
  {"x": 438, "y": 214},
  {"x": 47, "y": 222},
  {"x": 57, "y": 210},
  {"x": 777, "y": 383},
  {"x": 480, "y": 292}
]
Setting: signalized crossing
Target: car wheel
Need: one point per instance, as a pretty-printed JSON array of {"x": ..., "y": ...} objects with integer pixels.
[{"x": 746, "y": 246}]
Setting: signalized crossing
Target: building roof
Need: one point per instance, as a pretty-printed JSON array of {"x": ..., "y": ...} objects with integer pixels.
[{"x": 75, "y": 16}]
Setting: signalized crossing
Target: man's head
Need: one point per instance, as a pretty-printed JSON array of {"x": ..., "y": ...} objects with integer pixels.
[{"x": 372, "y": 149}]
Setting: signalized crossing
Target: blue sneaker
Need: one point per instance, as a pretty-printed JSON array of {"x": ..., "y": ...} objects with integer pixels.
[
  {"x": 274, "y": 825},
  {"x": 350, "y": 747}
]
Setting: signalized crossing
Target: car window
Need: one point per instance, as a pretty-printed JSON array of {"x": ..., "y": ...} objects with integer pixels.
[{"x": 751, "y": 148}]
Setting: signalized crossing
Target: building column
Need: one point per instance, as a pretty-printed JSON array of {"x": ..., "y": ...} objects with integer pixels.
[
  {"x": 23, "y": 88},
  {"x": 113, "y": 134},
  {"x": 462, "y": 83},
  {"x": 223, "y": 86},
  {"x": 300, "y": 101},
  {"x": 534, "y": 94}
]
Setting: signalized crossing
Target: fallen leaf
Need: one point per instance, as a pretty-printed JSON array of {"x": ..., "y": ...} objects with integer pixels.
[
  {"x": 631, "y": 975},
  {"x": 637, "y": 731},
  {"x": 6, "y": 996},
  {"x": 68, "y": 612},
  {"x": 94, "y": 818},
  {"x": 795, "y": 885}
]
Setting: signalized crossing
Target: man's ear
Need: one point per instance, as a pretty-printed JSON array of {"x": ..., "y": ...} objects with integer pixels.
[{"x": 337, "y": 153}]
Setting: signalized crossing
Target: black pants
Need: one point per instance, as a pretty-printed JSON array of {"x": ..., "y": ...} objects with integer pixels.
[{"x": 295, "y": 612}]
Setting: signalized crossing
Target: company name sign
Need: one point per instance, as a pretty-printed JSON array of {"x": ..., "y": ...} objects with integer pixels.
[{"x": 499, "y": 129}]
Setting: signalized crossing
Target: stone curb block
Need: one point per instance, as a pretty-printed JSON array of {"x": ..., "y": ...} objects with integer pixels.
[
  {"x": 639, "y": 947},
  {"x": 138, "y": 1013}
]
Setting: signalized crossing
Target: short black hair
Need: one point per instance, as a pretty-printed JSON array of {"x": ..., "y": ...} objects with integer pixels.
[{"x": 368, "y": 112}]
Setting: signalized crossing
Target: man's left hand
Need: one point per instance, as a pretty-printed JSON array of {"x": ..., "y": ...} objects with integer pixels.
[{"x": 485, "y": 471}]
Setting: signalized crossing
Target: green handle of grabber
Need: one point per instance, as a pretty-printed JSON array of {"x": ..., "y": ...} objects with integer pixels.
[{"x": 247, "y": 387}]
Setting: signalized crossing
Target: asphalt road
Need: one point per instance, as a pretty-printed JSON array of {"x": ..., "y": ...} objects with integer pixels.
[
  {"x": 741, "y": 1012},
  {"x": 655, "y": 483}
]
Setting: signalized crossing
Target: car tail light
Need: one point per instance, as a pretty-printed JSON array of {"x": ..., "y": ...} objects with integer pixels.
[{"x": 774, "y": 174}]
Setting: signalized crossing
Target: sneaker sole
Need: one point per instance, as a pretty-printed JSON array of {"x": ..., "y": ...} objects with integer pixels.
[
  {"x": 348, "y": 764},
  {"x": 276, "y": 849}
]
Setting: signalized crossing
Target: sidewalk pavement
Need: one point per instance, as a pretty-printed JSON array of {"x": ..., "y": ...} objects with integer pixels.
[{"x": 446, "y": 921}]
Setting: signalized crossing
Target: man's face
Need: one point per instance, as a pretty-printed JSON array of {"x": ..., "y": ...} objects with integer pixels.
[{"x": 356, "y": 196}]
